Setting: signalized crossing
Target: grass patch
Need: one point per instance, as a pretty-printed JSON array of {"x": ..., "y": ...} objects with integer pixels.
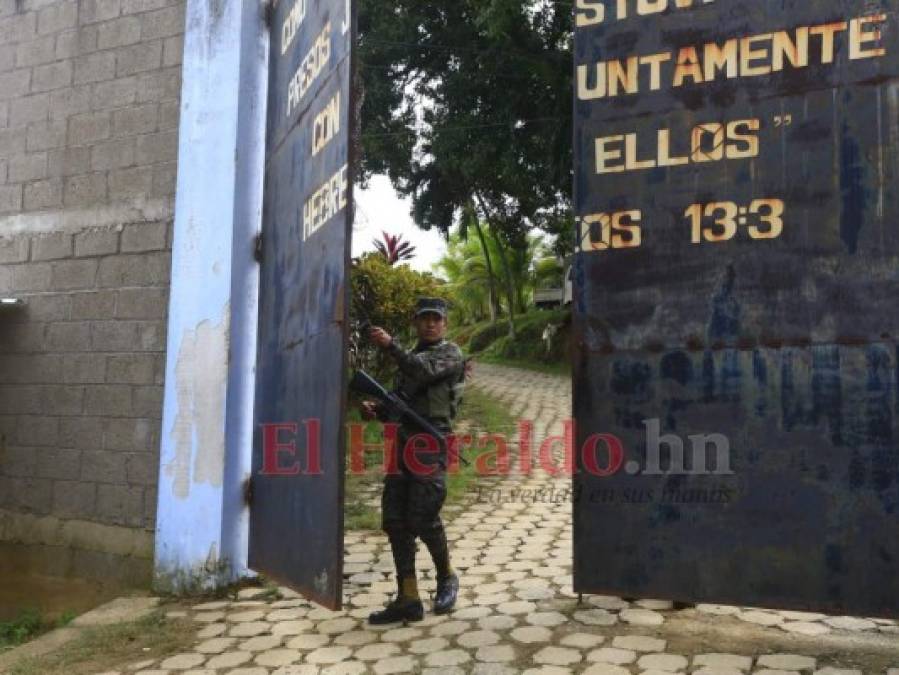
[
  {"x": 558, "y": 368},
  {"x": 480, "y": 412},
  {"x": 112, "y": 647},
  {"x": 28, "y": 625}
]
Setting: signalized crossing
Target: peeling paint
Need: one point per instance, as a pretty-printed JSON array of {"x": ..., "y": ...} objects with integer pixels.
[{"x": 198, "y": 432}]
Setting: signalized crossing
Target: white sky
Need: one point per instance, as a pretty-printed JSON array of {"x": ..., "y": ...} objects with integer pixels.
[{"x": 380, "y": 209}]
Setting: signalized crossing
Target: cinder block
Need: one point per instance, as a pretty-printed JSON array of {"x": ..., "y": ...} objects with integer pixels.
[
  {"x": 144, "y": 237},
  {"x": 97, "y": 242},
  {"x": 94, "y": 305},
  {"x": 137, "y": 6},
  {"x": 58, "y": 464},
  {"x": 32, "y": 277},
  {"x": 51, "y": 247},
  {"x": 150, "y": 269},
  {"x": 89, "y": 128},
  {"x": 37, "y": 430},
  {"x": 60, "y": 400},
  {"x": 10, "y": 198},
  {"x": 51, "y": 76},
  {"x": 5, "y": 279},
  {"x": 74, "y": 274},
  {"x": 66, "y": 44},
  {"x": 165, "y": 179},
  {"x": 43, "y": 194},
  {"x": 4, "y": 114},
  {"x": 148, "y": 401},
  {"x": 45, "y": 135},
  {"x": 173, "y": 51},
  {"x": 15, "y": 84},
  {"x": 68, "y": 162},
  {"x": 115, "y": 93},
  {"x": 142, "y": 303},
  {"x": 138, "y": 58},
  {"x": 120, "y": 505},
  {"x": 104, "y": 467},
  {"x": 84, "y": 369},
  {"x": 33, "y": 368},
  {"x": 36, "y": 52},
  {"x": 18, "y": 462},
  {"x": 155, "y": 148},
  {"x": 112, "y": 154},
  {"x": 57, "y": 17},
  {"x": 109, "y": 400},
  {"x": 7, "y": 57},
  {"x": 94, "y": 67},
  {"x": 83, "y": 433},
  {"x": 33, "y": 495},
  {"x": 115, "y": 336},
  {"x": 48, "y": 308},
  {"x": 118, "y": 32},
  {"x": 68, "y": 337},
  {"x": 74, "y": 499},
  {"x": 24, "y": 168},
  {"x": 142, "y": 469},
  {"x": 136, "y": 181},
  {"x": 14, "y": 250},
  {"x": 169, "y": 114},
  {"x": 85, "y": 190},
  {"x": 12, "y": 142},
  {"x": 93, "y": 11},
  {"x": 152, "y": 336},
  {"x": 150, "y": 507},
  {"x": 135, "y": 120},
  {"x": 131, "y": 369},
  {"x": 162, "y": 23},
  {"x": 71, "y": 101},
  {"x": 132, "y": 435},
  {"x": 159, "y": 85},
  {"x": 87, "y": 39},
  {"x": 18, "y": 27}
]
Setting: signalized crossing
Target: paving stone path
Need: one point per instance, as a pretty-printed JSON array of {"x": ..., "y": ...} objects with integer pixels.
[{"x": 517, "y": 613}]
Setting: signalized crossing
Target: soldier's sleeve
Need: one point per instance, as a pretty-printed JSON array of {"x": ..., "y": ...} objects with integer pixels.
[{"x": 429, "y": 366}]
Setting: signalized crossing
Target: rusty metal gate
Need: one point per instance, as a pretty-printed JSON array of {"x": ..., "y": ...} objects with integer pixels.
[
  {"x": 296, "y": 522},
  {"x": 737, "y": 302}
]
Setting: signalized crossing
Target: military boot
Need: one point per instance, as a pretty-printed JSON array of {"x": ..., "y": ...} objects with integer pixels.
[
  {"x": 401, "y": 609},
  {"x": 447, "y": 592}
]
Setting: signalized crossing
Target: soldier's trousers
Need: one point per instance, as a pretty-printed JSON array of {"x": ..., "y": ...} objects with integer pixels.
[{"x": 410, "y": 508}]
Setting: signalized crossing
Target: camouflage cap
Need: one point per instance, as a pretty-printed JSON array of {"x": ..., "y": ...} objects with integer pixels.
[{"x": 432, "y": 305}]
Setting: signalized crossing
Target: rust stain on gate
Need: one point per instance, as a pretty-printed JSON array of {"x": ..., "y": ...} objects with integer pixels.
[{"x": 738, "y": 280}]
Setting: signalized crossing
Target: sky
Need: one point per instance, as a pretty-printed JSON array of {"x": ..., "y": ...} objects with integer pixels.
[{"x": 380, "y": 209}]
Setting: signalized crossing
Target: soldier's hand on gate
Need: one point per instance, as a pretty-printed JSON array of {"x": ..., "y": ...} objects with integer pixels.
[
  {"x": 380, "y": 337},
  {"x": 369, "y": 410}
]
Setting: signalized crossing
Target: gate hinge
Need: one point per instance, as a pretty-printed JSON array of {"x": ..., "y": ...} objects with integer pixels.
[
  {"x": 268, "y": 12},
  {"x": 257, "y": 248},
  {"x": 248, "y": 491}
]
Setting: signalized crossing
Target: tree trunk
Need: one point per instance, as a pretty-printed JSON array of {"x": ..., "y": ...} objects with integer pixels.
[
  {"x": 510, "y": 290},
  {"x": 491, "y": 276}
]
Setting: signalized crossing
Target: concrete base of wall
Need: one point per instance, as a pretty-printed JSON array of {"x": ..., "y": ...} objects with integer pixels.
[{"x": 46, "y": 545}]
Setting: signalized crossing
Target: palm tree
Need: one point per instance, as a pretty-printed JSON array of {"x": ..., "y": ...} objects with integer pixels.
[{"x": 394, "y": 249}]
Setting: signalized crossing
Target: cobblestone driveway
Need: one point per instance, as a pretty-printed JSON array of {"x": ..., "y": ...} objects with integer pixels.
[{"x": 516, "y": 612}]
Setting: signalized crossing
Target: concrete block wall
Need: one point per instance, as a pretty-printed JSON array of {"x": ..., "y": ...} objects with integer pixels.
[{"x": 89, "y": 109}]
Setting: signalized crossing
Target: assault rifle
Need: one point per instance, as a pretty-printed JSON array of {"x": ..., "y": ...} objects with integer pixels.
[{"x": 398, "y": 409}]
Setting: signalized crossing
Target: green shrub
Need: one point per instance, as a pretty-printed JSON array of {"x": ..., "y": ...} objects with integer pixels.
[{"x": 484, "y": 337}]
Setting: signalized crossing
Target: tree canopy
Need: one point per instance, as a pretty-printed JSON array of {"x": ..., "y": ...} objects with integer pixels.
[{"x": 467, "y": 105}]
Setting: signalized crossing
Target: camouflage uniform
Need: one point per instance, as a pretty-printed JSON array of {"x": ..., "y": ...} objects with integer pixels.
[{"x": 431, "y": 378}]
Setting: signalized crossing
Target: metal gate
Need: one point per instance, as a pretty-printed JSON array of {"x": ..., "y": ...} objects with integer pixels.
[
  {"x": 296, "y": 522},
  {"x": 737, "y": 302}
]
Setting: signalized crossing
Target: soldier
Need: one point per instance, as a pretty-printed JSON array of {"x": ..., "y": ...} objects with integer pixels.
[{"x": 431, "y": 378}]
